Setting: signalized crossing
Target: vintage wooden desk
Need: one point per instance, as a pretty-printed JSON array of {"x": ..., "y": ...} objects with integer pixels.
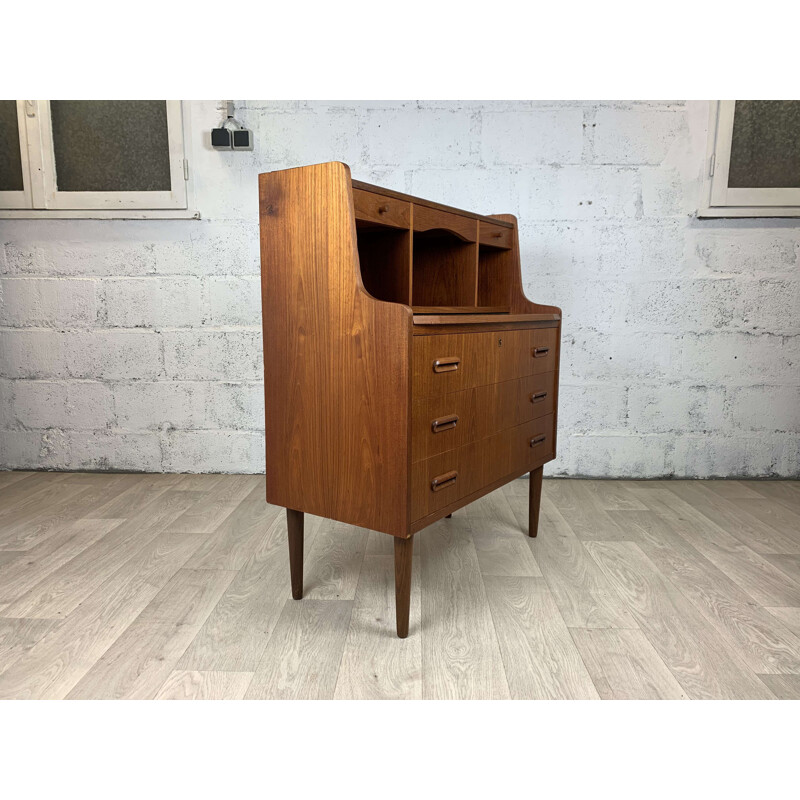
[{"x": 406, "y": 373}]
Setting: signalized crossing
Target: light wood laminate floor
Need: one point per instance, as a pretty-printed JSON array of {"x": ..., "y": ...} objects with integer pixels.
[{"x": 177, "y": 587}]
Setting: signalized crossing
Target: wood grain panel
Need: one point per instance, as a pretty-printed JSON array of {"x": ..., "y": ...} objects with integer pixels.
[
  {"x": 62, "y": 591},
  {"x": 194, "y": 685},
  {"x": 481, "y": 411},
  {"x": 445, "y": 271},
  {"x": 376, "y": 665},
  {"x": 790, "y": 617},
  {"x": 32, "y": 566},
  {"x": 479, "y": 464},
  {"x": 495, "y": 235},
  {"x": 239, "y": 535},
  {"x": 751, "y": 531},
  {"x": 380, "y": 209},
  {"x": 784, "y": 687},
  {"x": 301, "y": 660},
  {"x": 460, "y": 652},
  {"x": 55, "y": 664},
  {"x": 334, "y": 561},
  {"x": 421, "y": 201},
  {"x": 337, "y": 398},
  {"x": 234, "y": 636},
  {"x": 430, "y": 219},
  {"x": 756, "y": 637},
  {"x": 217, "y": 504},
  {"x": 579, "y": 588},
  {"x": 140, "y": 661},
  {"x": 623, "y": 665},
  {"x": 764, "y": 582},
  {"x": 540, "y": 658},
  {"x": 690, "y": 647},
  {"x": 483, "y": 358}
]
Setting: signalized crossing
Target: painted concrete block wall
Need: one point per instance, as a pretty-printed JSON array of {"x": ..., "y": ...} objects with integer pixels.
[{"x": 136, "y": 344}]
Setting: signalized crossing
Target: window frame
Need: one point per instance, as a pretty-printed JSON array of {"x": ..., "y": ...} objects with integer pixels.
[
  {"x": 23, "y": 199},
  {"x": 719, "y": 200},
  {"x": 43, "y": 200}
]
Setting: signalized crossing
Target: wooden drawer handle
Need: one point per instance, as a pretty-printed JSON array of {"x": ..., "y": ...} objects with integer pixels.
[
  {"x": 538, "y": 439},
  {"x": 444, "y": 424},
  {"x": 446, "y": 364},
  {"x": 443, "y": 481},
  {"x": 383, "y": 209},
  {"x": 496, "y": 235},
  {"x": 540, "y": 352},
  {"x": 538, "y": 397}
]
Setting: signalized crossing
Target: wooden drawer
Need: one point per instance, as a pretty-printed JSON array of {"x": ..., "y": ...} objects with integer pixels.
[
  {"x": 382, "y": 210},
  {"x": 429, "y": 219},
  {"x": 452, "y": 362},
  {"x": 452, "y": 420},
  {"x": 446, "y": 478},
  {"x": 544, "y": 350},
  {"x": 538, "y": 445},
  {"x": 494, "y": 235}
]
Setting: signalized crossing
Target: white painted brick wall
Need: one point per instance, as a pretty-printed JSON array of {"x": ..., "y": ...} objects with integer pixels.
[{"x": 137, "y": 344}]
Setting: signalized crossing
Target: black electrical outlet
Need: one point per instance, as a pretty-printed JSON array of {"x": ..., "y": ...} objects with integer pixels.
[
  {"x": 221, "y": 138},
  {"x": 243, "y": 139}
]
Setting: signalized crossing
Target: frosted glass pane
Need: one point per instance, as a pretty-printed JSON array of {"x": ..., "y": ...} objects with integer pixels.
[
  {"x": 110, "y": 145},
  {"x": 765, "y": 151},
  {"x": 10, "y": 161}
]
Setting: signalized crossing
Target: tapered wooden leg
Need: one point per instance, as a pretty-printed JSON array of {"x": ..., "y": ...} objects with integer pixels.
[
  {"x": 403, "y": 549},
  {"x": 535, "y": 501},
  {"x": 294, "y": 520}
]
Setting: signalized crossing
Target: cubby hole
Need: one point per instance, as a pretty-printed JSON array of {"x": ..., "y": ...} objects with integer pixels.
[
  {"x": 445, "y": 270},
  {"x": 385, "y": 257},
  {"x": 495, "y": 271}
]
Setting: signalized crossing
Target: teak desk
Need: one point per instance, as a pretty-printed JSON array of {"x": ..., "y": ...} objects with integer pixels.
[{"x": 406, "y": 372}]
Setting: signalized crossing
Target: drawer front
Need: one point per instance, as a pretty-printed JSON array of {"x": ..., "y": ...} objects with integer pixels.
[
  {"x": 443, "y": 423},
  {"x": 371, "y": 207},
  {"x": 538, "y": 443},
  {"x": 448, "y": 421},
  {"x": 429, "y": 219},
  {"x": 544, "y": 350},
  {"x": 494, "y": 235},
  {"x": 447, "y": 477},
  {"x": 452, "y": 362}
]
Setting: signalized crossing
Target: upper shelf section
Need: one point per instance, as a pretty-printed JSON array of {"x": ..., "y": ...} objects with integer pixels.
[
  {"x": 431, "y": 257},
  {"x": 388, "y": 194},
  {"x": 444, "y": 262}
]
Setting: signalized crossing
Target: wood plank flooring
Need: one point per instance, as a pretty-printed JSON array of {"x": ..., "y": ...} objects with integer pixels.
[{"x": 177, "y": 587}]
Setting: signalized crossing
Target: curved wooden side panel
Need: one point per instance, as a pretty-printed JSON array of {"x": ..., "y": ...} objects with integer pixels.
[
  {"x": 520, "y": 304},
  {"x": 336, "y": 361}
]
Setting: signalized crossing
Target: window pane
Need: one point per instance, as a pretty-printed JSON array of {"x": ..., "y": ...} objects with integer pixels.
[
  {"x": 765, "y": 151},
  {"x": 10, "y": 161},
  {"x": 110, "y": 145}
]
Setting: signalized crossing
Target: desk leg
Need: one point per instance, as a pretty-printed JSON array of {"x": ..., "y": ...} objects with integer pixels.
[
  {"x": 403, "y": 549},
  {"x": 534, "y": 501},
  {"x": 294, "y": 520}
]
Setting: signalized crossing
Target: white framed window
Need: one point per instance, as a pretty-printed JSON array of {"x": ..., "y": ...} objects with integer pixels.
[
  {"x": 93, "y": 158},
  {"x": 754, "y": 159}
]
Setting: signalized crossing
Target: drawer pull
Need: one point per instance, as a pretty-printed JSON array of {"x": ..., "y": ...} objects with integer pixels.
[
  {"x": 446, "y": 364},
  {"x": 443, "y": 481},
  {"x": 538, "y": 397},
  {"x": 497, "y": 235},
  {"x": 538, "y": 439},
  {"x": 444, "y": 424},
  {"x": 383, "y": 209},
  {"x": 540, "y": 352}
]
